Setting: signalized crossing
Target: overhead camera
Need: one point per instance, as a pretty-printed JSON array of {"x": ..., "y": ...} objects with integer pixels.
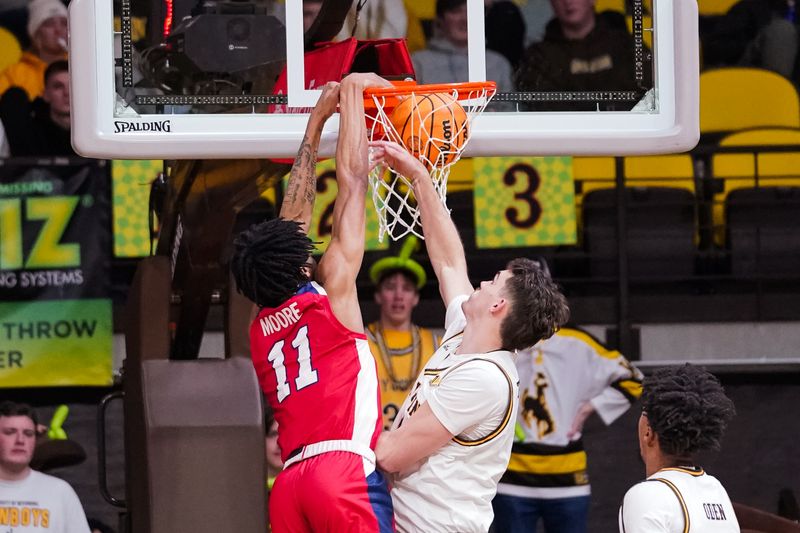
[{"x": 221, "y": 48}]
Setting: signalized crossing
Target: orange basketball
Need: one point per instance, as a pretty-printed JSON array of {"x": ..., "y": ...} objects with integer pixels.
[{"x": 433, "y": 127}]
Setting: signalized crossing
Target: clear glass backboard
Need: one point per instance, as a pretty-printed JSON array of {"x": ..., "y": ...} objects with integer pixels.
[{"x": 186, "y": 79}]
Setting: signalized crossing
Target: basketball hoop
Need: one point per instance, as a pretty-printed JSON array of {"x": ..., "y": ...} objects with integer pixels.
[{"x": 433, "y": 122}]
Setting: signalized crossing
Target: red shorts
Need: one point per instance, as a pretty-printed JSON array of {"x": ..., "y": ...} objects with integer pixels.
[{"x": 330, "y": 493}]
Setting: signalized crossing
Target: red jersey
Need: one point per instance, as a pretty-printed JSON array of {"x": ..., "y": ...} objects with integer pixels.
[{"x": 318, "y": 376}]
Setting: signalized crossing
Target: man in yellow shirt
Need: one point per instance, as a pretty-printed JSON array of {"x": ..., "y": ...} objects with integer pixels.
[
  {"x": 400, "y": 347},
  {"x": 47, "y": 27}
]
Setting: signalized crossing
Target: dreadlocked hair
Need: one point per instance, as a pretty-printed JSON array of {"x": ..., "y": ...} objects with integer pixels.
[
  {"x": 267, "y": 261},
  {"x": 687, "y": 408}
]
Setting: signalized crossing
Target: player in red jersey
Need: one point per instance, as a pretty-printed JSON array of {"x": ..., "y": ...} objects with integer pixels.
[{"x": 308, "y": 344}]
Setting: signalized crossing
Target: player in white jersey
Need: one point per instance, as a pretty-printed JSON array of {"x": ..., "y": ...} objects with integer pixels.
[
  {"x": 451, "y": 440},
  {"x": 684, "y": 411}
]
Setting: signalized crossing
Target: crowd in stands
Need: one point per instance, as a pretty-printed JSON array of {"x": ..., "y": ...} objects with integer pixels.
[{"x": 533, "y": 45}]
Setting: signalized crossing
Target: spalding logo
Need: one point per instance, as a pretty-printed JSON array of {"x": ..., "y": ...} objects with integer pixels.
[{"x": 125, "y": 126}]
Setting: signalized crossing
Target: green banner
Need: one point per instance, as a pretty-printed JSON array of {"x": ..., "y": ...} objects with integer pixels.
[
  {"x": 526, "y": 201},
  {"x": 55, "y": 315},
  {"x": 55, "y": 343},
  {"x": 131, "y": 192}
]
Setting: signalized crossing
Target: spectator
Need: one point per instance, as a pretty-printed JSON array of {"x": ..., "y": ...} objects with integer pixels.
[
  {"x": 754, "y": 33},
  {"x": 41, "y": 127},
  {"x": 311, "y": 9},
  {"x": 563, "y": 380},
  {"x": 47, "y": 27},
  {"x": 446, "y": 58},
  {"x": 30, "y": 499},
  {"x": 376, "y": 19},
  {"x": 684, "y": 412},
  {"x": 505, "y": 30},
  {"x": 400, "y": 347},
  {"x": 274, "y": 462},
  {"x": 582, "y": 52},
  {"x": 536, "y": 13}
]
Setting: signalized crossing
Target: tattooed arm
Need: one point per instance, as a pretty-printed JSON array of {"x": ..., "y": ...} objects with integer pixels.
[{"x": 298, "y": 202}]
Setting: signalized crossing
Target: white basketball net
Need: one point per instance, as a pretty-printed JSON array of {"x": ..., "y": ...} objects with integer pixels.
[{"x": 394, "y": 200}]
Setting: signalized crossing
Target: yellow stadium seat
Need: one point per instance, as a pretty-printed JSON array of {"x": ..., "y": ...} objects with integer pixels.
[
  {"x": 676, "y": 171},
  {"x": 738, "y": 171},
  {"x": 733, "y": 99},
  {"x": 10, "y": 51},
  {"x": 609, "y": 5},
  {"x": 640, "y": 171},
  {"x": 418, "y": 10},
  {"x": 592, "y": 173},
  {"x": 711, "y": 8}
]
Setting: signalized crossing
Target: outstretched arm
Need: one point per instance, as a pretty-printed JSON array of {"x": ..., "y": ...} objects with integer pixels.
[
  {"x": 298, "y": 202},
  {"x": 342, "y": 260},
  {"x": 441, "y": 236}
]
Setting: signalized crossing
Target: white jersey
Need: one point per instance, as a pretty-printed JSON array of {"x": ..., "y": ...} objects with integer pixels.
[
  {"x": 474, "y": 396},
  {"x": 40, "y": 503},
  {"x": 557, "y": 377},
  {"x": 678, "y": 500}
]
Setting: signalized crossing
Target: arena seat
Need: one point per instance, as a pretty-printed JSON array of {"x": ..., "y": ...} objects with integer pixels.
[
  {"x": 660, "y": 236},
  {"x": 762, "y": 231},
  {"x": 713, "y": 8},
  {"x": 736, "y": 171},
  {"x": 593, "y": 173},
  {"x": 732, "y": 99},
  {"x": 609, "y": 5},
  {"x": 420, "y": 13}
]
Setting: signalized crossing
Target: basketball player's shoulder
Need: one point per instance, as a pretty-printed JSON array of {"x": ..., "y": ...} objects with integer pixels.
[{"x": 651, "y": 494}]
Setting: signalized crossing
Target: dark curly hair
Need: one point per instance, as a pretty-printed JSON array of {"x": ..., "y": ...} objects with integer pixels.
[
  {"x": 538, "y": 308},
  {"x": 687, "y": 408},
  {"x": 268, "y": 259}
]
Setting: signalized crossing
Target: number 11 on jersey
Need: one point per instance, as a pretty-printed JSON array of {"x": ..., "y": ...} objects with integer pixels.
[{"x": 307, "y": 375}]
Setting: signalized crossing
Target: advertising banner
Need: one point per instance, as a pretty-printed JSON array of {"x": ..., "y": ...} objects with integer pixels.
[{"x": 55, "y": 311}]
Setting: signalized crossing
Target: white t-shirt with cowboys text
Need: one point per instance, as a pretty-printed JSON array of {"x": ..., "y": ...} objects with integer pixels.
[
  {"x": 474, "y": 396},
  {"x": 40, "y": 503}
]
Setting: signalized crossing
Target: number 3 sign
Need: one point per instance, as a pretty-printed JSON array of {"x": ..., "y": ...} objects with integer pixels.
[{"x": 526, "y": 201}]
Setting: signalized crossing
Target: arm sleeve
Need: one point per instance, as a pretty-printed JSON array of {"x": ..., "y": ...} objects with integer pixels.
[
  {"x": 454, "y": 319},
  {"x": 622, "y": 382},
  {"x": 649, "y": 507},
  {"x": 473, "y": 393}
]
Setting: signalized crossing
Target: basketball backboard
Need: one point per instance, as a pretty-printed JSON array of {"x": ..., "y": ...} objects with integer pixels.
[{"x": 200, "y": 82}]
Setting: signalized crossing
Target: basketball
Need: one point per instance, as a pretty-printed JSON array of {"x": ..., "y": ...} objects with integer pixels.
[{"x": 433, "y": 127}]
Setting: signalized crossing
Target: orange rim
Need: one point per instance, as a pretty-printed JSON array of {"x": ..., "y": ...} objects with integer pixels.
[{"x": 392, "y": 95}]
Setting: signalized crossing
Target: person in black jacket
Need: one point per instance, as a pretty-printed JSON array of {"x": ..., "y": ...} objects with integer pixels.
[
  {"x": 754, "y": 33},
  {"x": 41, "y": 127},
  {"x": 584, "y": 52}
]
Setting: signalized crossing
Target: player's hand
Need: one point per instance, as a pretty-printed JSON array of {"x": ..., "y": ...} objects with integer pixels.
[
  {"x": 362, "y": 80},
  {"x": 398, "y": 159},
  {"x": 328, "y": 100},
  {"x": 584, "y": 411}
]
